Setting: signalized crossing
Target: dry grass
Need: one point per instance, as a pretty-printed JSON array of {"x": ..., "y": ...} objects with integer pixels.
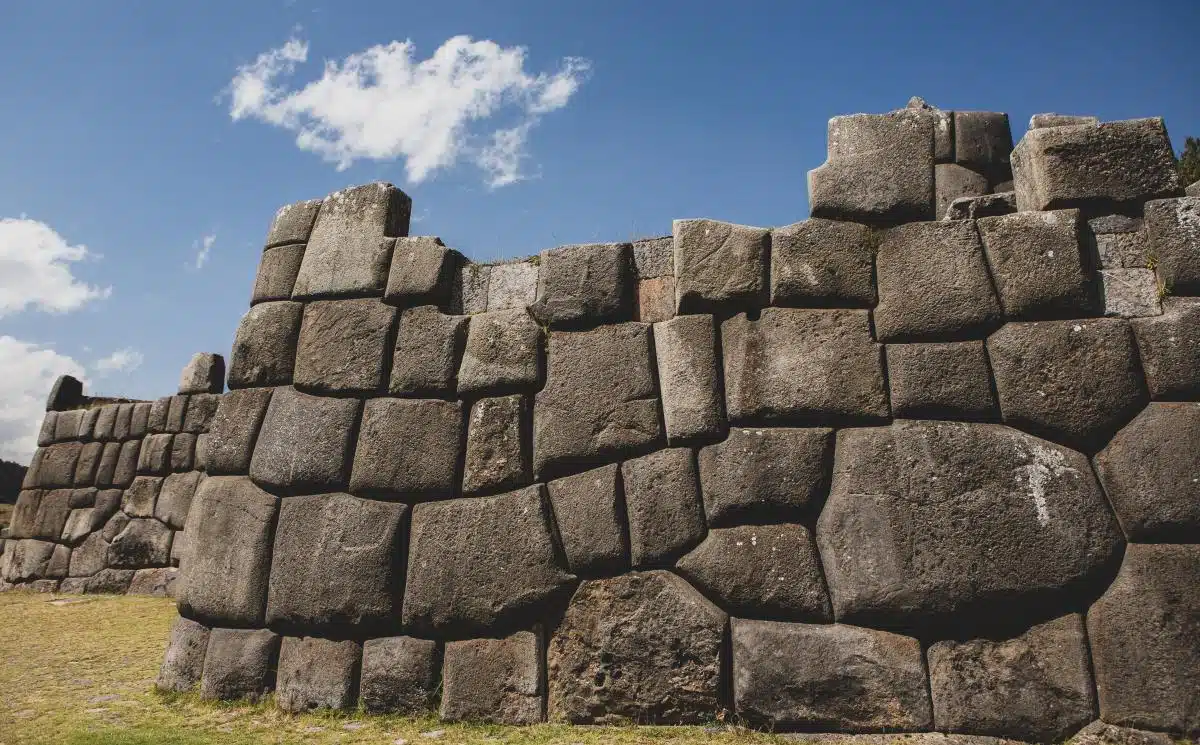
[{"x": 76, "y": 670}]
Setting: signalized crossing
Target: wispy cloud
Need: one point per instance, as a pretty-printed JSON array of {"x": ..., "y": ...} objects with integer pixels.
[
  {"x": 202, "y": 248},
  {"x": 35, "y": 269},
  {"x": 122, "y": 360},
  {"x": 27, "y": 371}
]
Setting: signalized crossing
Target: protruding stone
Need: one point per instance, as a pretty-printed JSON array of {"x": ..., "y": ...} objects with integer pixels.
[
  {"x": 239, "y": 663},
  {"x": 686, "y": 351},
  {"x": 293, "y": 223},
  {"x": 823, "y": 263},
  {"x": 501, "y": 681},
  {"x": 184, "y": 662},
  {"x": 1100, "y": 733},
  {"x": 799, "y": 365},
  {"x": 512, "y": 285},
  {"x": 234, "y": 430},
  {"x": 106, "y": 420},
  {"x": 954, "y": 182},
  {"x": 982, "y": 142},
  {"x": 1042, "y": 121},
  {"x": 175, "y": 498},
  {"x": 1075, "y": 382},
  {"x": 66, "y": 393},
  {"x": 277, "y": 270},
  {"x": 157, "y": 421},
  {"x": 906, "y": 523},
  {"x": 264, "y": 350},
  {"x": 828, "y": 677},
  {"x": 1173, "y": 232},
  {"x": 141, "y": 495},
  {"x": 46, "y": 435},
  {"x": 428, "y": 346},
  {"x": 316, "y": 674},
  {"x": 988, "y": 205},
  {"x": 294, "y": 454},
  {"x": 584, "y": 285},
  {"x": 80, "y": 524},
  {"x": 662, "y": 498},
  {"x": 408, "y": 448},
  {"x": 201, "y": 408},
  {"x": 719, "y": 265},
  {"x": 498, "y": 439},
  {"x": 502, "y": 355},
  {"x": 204, "y": 373},
  {"x": 654, "y": 257},
  {"x": 343, "y": 346},
  {"x": 421, "y": 271},
  {"x": 1130, "y": 293},
  {"x": 590, "y": 513},
  {"x": 499, "y": 584},
  {"x": 154, "y": 457},
  {"x": 1169, "y": 346},
  {"x": 644, "y": 647},
  {"x": 144, "y": 542},
  {"x": 400, "y": 675},
  {"x": 941, "y": 381},
  {"x": 26, "y": 560},
  {"x": 140, "y": 421}
]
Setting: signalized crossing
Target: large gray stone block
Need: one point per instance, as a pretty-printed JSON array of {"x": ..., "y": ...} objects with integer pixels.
[
  {"x": 66, "y": 425},
  {"x": 499, "y": 584},
  {"x": 503, "y": 354},
  {"x": 138, "y": 500},
  {"x": 183, "y": 452},
  {"x": 1041, "y": 121},
  {"x": 52, "y": 513},
  {"x": 88, "y": 463},
  {"x": 89, "y": 557},
  {"x": 1121, "y": 241},
  {"x": 428, "y": 346},
  {"x": 107, "y": 467},
  {"x": 127, "y": 463},
  {"x": 1169, "y": 346},
  {"x": 1130, "y": 293},
  {"x": 224, "y": 580},
  {"x": 584, "y": 285},
  {"x": 157, "y": 582},
  {"x": 183, "y": 663},
  {"x": 421, "y": 271},
  {"x": 106, "y": 420},
  {"x": 204, "y": 373},
  {"x": 498, "y": 445},
  {"x": 293, "y": 223},
  {"x": 154, "y": 457},
  {"x": 823, "y": 263},
  {"x": 662, "y": 499},
  {"x": 719, "y": 265},
  {"x": 317, "y": 674},
  {"x": 1037, "y": 264},
  {"x": 409, "y": 448},
  {"x": 175, "y": 498},
  {"x": 337, "y": 563},
  {"x": 686, "y": 352},
  {"x": 983, "y": 142},
  {"x": 599, "y": 402},
  {"x": 512, "y": 285},
  {"x": 798, "y": 365},
  {"x": 264, "y": 349},
  {"x": 469, "y": 289},
  {"x": 156, "y": 422},
  {"x": 239, "y": 663},
  {"x": 54, "y": 466},
  {"x": 145, "y": 542},
  {"x": 276, "y": 277},
  {"x": 25, "y": 560},
  {"x": 500, "y": 681},
  {"x": 177, "y": 413},
  {"x": 292, "y": 454},
  {"x": 906, "y": 523},
  {"x": 46, "y": 435},
  {"x": 343, "y": 346},
  {"x": 66, "y": 393},
  {"x": 198, "y": 416},
  {"x": 234, "y": 430},
  {"x": 934, "y": 284},
  {"x": 953, "y": 182},
  {"x": 765, "y": 475},
  {"x": 590, "y": 513},
  {"x": 1075, "y": 382},
  {"x": 941, "y": 381},
  {"x": 400, "y": 675},
  {"x": 828, "y": 677},
  {"x": 1173, "y": 233},
  {"x": 644, "y": 647}
]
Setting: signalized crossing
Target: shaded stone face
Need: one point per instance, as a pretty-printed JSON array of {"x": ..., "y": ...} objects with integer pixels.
[
  {"x": 589, "y": 511},
  {"x": 408, "y": 448},
  {"x": 144, "y": 542},
  {"x": 293, "y": 455},
  {"x": 584, "y": 285},
  {"x": 239, "y": 663},
  {"x": 277, "y": 270},
  {"x": 184, "y": 661},
  {"x": 502, "y": 354},
  {"x": 421, "y": 271},
  {"x": 234, "y": 429},
  {"x": 316, "y": 674},
  {"x": 941, "y": 381},
  {"x": 498, "y": 455},
  {"x": 293, "y": 223},
  {"x": 343, "y": 346},
  {"x": 428, "y": 346},
  {"x": 494, "y": 680},
  {"x": 1173, "y": 232},
  {"x": 1169, "y": 346},
  {"x": 264, "y": 350},
  {"x": 204, "y": 373},
  {"x": 686, "y": 352},
  {"x": 400, "y": 675},
  {"x": 662, "y": 498}
]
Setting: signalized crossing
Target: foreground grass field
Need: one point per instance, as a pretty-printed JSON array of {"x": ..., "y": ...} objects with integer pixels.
[{"x": 80, "y": 670}]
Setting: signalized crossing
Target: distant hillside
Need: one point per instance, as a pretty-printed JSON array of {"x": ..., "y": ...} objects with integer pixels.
[{"x": 11, "y": 476}]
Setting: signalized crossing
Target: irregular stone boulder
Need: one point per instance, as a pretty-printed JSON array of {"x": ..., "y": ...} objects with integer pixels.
[
  {"x": 1173, "y": 233},
  {"x": 293, "y": 223},
  {"x": 204, "y": 373},
  {"x": 316, "y": 674},
  {"x": 1151, "y": 474},
  {"x": 584, "y": 285},
  {"x": 1144, "y": 634},
  {"x": 719, "y": 265},
  {"x": 1075, "y": 382},
  {"x": 590, "y": 513},
  {"x": 1169, "y": 346},
  {"x": 494, "y": 680},
  {"x": 982, "y": 142},
  {"x": 1130, "y": 293},
  {"x": 512, "y": 285},
  {"x": 503, "y": 354},
  {"x": 941, "y": 381},
  {"x": 498, "y": 455},
  {"x": 292, "y": 454},
  {"x": 239, "y": 663},
  {"x": 144, "y": 542},
  {"x": 26, "y": 560},
  {"x": 276, "y": 276},
  {"x": 107, "y": 582},
  {"x": 66, "y": 393},
  {"x": 428, "y": 345},
  {"x": 919, "y": 303},
  {"x": 225, "y": 581},
  {"x": 183, "y": 663},
  {"x": 1037, "y": 265},
  {"x": 234, "y": 429},
  {"x": 644, "y": 647},
  {"x": 421, "y": 271},
  {"x": 139, "y": 498},
  {"x": 499, "y": 584},
  {"x": 1036, "y": 687},
  {"x": 686, "y": 351},
  {"x": 819, "y": 262},
  {"x": 662, "y": 498},
  {"x": 599, "y": 402},
  {"x": 343, "y": 345},
  {"x": 264, "y": 349},
  {"x": 158, "y": 582},
  {"x": 906, "y": 524},
  {"x": 400, "y": 675},
  {"x": 828, "y": 677},
  {"x": 409, "y": 448},
  {"x": 953, "y": 182},
  {"x": 798, "y": 365},
  {"x": 760, "y": 571},
  {"x": 337, "y": 563}
]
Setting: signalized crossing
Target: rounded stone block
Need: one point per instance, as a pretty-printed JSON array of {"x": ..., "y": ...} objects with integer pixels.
[
  {"x": 408, "y": 448},
  {"x": 503, "y": 353},
  {"x": 941, "y": 381},
  {"x": 295, "y": 455},
  {"x": 145, "y": 542},
  {"x": 428, "y": 346},
  {"x": 276, "y": 277},
  {"x": 239, "y": 663},
  {"x": 316, "y": 674},
  {"x": 234, "y": 430},
  {"x": 264, "y": 349},
  {"x": 1169, "y": 346},
  {"x": 400, "y": 675},
  {"x": 421, "y": 271},
  {"x": 204, "y": 373},
  {"x": 823, "y": 263},
  {"x": 343, "y": 346},
  {"x": 498, "y": 681},
  {"x": 293, "y": 223},
  {"x": 584, "y": 285},
  {"x": 183, "y": 663},
  {"x": 982, "y": 142},
  {"x": 719, "y": 265}
]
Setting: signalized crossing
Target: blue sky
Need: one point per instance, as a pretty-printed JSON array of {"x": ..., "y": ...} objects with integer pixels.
[{"x": 118, "y": 135}]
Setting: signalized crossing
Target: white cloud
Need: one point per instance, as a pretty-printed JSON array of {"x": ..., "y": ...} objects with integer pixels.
[
  {"x": 27, "y": 371},
  {"x": 35, "y": 269},
  {"x": 122, "y": 360},
  {"x": 203, "y": 247},
  {"x": 380, "y": 104}
]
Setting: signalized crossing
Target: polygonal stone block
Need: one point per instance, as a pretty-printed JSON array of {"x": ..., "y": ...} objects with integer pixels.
[
  {"x": 599, "y": 400},
  {"x": 823, "y": 263},
  {"x": 1169, "y": 346},
  {"x": 719, "y": 265},
  {"x": 941, "y": 381},
  {"x": 53, "y": 510},
  {"x": 80, "y": 523},
  {"x": 183, "y": 663},
  {"x": 408, "y": 448},
  {"x": 982, "y": 142},
  {"x": 502, "y": 354},
  {"x": 175, "y": 498},
  {"x": 686, "y": 352},
  {"x": 589, "y": 511},
  {"x": 234, "y": 429},
  {"x": 343, "y": 345},
  {"x": 177, "y": 414},
  {"x": 349, "y": 248},
  {"x": 1120, "y": 241},
  {"x": 264, "y": 349},
  {"x": 108, "y": 462},
  {"x": 294, "y": 455},
  {"x": 1074, "y": 382},
  {"x": 316, "y": 674},
  {"x": 53, "y": 466},
  {"x": 654, "y": 257},
  {"x": 584, "y": 285},
  {"x": 239, "y": 663},
  {"x": 139, "y": 498},
  {"x": 154, "y": 456},
  {"x": 106, "y": 420},
  {"x": 498, "y": 443},
  {"x": 662, "y": 498},
  {"x": 428, "y": 346},
  {"x": 140, "y": 421},
  {"x": 1173, "y": 233},
  {"x": 953, "y": 182},
  {"x": 293, "y": 223},
  {"x": 66, "y": 393},
  {"x": 24, "y": 516},
  {"x": 89, "y": 557},
  {"x": 934, "y": 284},
  {"x": 421, "y": 272},
  {"x": 400, "y": 675},
  {"x": 144, "y": 542},
  {"x": 56, "y": 568},
  {"x": 501, "y": 681},
  {"x": 797, "y": 365},
  {"x": 106, "y": 582},
  {"x": 276, "y": 277},
  {"x": 46, "y": 435},
  {"x": 643, "y": 647},
  {"x": 157, "y": 421},
  {"x": 654, "y": 300},
  {"x": 1130, "y": 293},
  {"x": 204, "y": 373},
  {"x": 201, "y": 408},
  {"x": 1041, "y": 121},
  {"x": 88, "y": 463},
  {"x": 26, "y": 560},
  {"x": 124, "y": 422},
  {"x": 469, "y": 291},
  {"x": 87, "y": 425},
  {"x": 512, "y": 285}
]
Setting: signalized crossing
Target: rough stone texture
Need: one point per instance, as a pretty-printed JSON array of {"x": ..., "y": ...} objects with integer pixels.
[
  {"x": 154, "y": 457},
  {"x": 234, "y": 429},
  {"x": 277, "y": 270},
  {"x": 66, "y": 393},
  {"x": 1037, "y": 265},
  {"x": 293, "y": 223},
  {"x": 502, "y": 354},
  {"x": 46, "y": 435},
  {"x": 80, "y": 524},
  {"x": 239, "y": 663},
  {"x": 512, "y": 285},
  {"x": 590, "y": 512},
  {"x": 421, "y": 271},
  {"x": 400, "y": 675},
  {"x": 498, "y": 584},
  {"x": 1145, "y": 640},
  {"x": 943, "y": 127},
  {"x": 177, "y": 413},
  {"x": 25, "y": 560},
  {"x": 1035, "y": 687},
  {"x": 123, "y": 423},
  {"x": 1151, "y": 474},
  {"x": 201, "y": 408},
  {"x": 183, "y": 452},
  {"x": 879, "y": 169},
  {"x": 654, "y": 257},
  {"x": 184, "y": 661},
  {"x": 175, "y": 498},
  {"x": 88, "y": 463},
  {"x": 52, "y": 513},
  {"x": 828, "y": 676},
  {"x": 823, "y": 263},
  {"x": 348, "y": 252},
  {"x": 293, "y": 455},
  {"x": 227, "y": 581},
  {"x": 158, "y": 582},
  {"x": 139, "y": 424},
  {"x": 428, "y": 345},
  {"x": 264, "y": 349},
  {"x": 941, "y": 381},
  {"x": 127, "y": 463},
  {"x": 343, "y": 346},
  {"x": 1034, "y": 509},
  {"x": 1099, "y": 733},
  {"x": 654, "y": 300},
  {"x": 917, "y": 303},
  {"x": 139, "y": 498},
  {"x": 662, "y": 498},
  {"x": 204, "y": 373},
  {"x": 643, "y": 647},
  {"x": 584, "y": 285},
  {"x": 982, "y": 142},
  {"x": 1120, "y": 241},
  {"x": 688, "y": 377},
  {"x": 337, "y": 562},
  {"x": 144, "y": 542},
  {"x": 760, "y": 571},
  {"x": 316, "y": 674},
  {"x": 66, "y": 425},
  {"x": 765, "y": 475},
  {"x": 599, "y": 400},
  {"x": 408, "y": 447},
  {"x": 1041, "y": 121},
  {"x": 796, "y": 365},
  {"x": 498, "y": 455},
  {"x": 53, "y": 466},
  {"x": 468, "y": 293},
  {"x": 495, "y": 680},
  {"x": 107, "y": 582},
  {"x": 89, "y": 557},
  {"x": 1169, "y": 346},
  {"x": 1130, "y": 293},
  {"x": 953, "y": 182},
  {"x": 719, "y": 265},
  {"x": 1075, "y": 382},
  {"x": 157, "y": 421},
  {"x": 1173, "y": 232},
  {"x": 1094, "y": 165}
]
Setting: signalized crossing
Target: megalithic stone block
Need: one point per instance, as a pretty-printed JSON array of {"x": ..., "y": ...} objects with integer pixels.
[
  {"x": 589, "y": 510},
  {"x": 204, "y": 373},
  {"x": 66, "y": 393},
  {"x": 686, "y": 351},
  {"x": 400, "y": 675},
  {"x": 66, "y": 425},
  {"x": 422, "y": 270},
  {"x": 1169, "y": 346},
  {"x": 293, "y": 223},
  {"x": 941, "y": 381},
  {"x": 662, "y": 497},
  {"x": 584, "y": 285},
  {"x": 512, "y": 285},
  {"x": 183, "y": 664},
  {"x": 239, "y": 663},
  {"x": 983, "y": 142},
  {"x": 234, "y": 430},
  {"x": 343, "y": 346},
  {"x": 276, "y": 277},
  {"x": 407, "y": 448},
  {"x": 498, "y": 444},
  {"x": 954, "y": 182},
  {"x": 317, "y": 673},
  {"x": 293, "y": 455},
  {"x": 503, "y": 353},
  {"x": 823, "y": 263},
  {"x": 719, "y": 265},
  {"x": 1173, "y": 230},
  {"x": 428, "y": 346},
  {"x": 264, "y": 350},
  {"x": 495, "y": 680}
]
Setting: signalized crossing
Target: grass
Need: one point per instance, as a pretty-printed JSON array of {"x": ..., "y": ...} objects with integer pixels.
[{"x": 80, "y": 671}]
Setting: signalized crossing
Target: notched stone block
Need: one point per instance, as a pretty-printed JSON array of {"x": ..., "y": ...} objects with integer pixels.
[
  {"x": 293, "y": 223},
  {"x": 204, "y": 373},
  {"x": 503, "y": 353},
  {"x": 421, "y": 272}
]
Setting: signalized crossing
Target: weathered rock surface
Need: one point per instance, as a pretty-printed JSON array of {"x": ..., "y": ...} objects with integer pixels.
[
  {"x": 25, "y": 560},
  {"x": 590, "y": 513},
  {"x": 409, "y": 448},
  {"x": 1120, "y": 241},
  {"x": 502, "y": 354},
  {"x": 234, "y": 430},
  {"x": 1173, "y": 233},
  {"x": 584, "y": 285},
  {"x": 154, "y": 458},
  {"x": 497, "y": 456},
  {"x": 184, "y": 661},
  {"x": 662, "y": 498},
  {"x": 1037, "y": 265},
  {"x": 53, "y": 467},
  {"x": 719, "y": 265},
  {"x": 1130, "y": 293},
  {"x": 823, "y": 263},
  {"x": 512, "y": 285},
  {"x": 158, "y": 582},
  {"x": 953, "y": 182},
  {"x": 400, "y": 675},
  {"x": 343, "y": 346},
  {"x": 686, "y": 352},
  {"x": 941, "y": 381},
  {"x": 316, "y": 674},
  {"x": 239, "y": 663},
  {"x": 428, "y": 345},
  {"x": 495, "y": 680},
  {"x": 293, "y": 455},
  {"x": 982, "y": 142},
  {"x": 469, "y": 290},
  {"x": 1041, "y": 121},
  {"x": 204, "y": 373},
  {"x": 264, "y": 349},
  {"x": 988, "y": 205},
  {"x": 655, "y": 300},
  {"x": 276, "y": 277},
  {"x": 89, "y": 557},
  {"x": 643, "y": 647},
  {"x": 66, "y": 393},
  {"x": 144, "y": 542},
  {"x": 421, "y": 271},
  {"x": 293, "y": 223},
  {"x": 1169, "y": 346}
]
